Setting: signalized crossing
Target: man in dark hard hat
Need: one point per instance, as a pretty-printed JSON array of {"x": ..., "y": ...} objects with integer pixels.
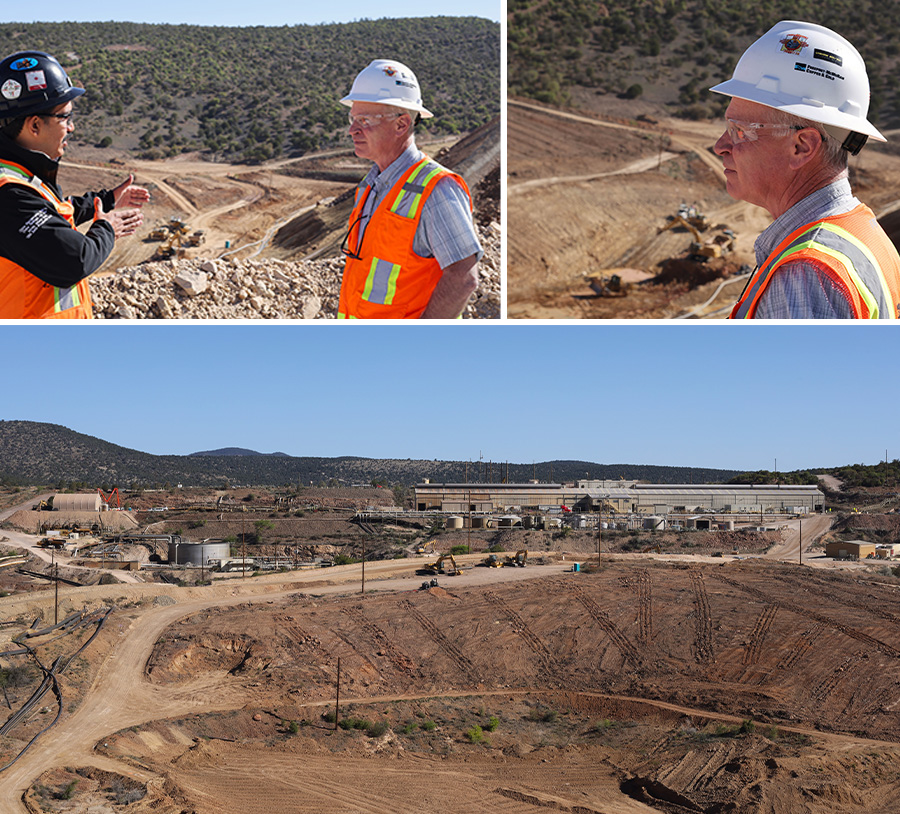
[
  {"x": 44, "y": 260},
  {"x": 799, "y": 101}
]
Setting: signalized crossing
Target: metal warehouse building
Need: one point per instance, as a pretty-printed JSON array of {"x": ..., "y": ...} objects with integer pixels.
[{"x": 627, "y": 498}]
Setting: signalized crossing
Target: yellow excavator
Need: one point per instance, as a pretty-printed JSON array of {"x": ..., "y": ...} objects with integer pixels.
[
  {"x": 519, "y": 560},
  {"x": 437, "y": 567}
]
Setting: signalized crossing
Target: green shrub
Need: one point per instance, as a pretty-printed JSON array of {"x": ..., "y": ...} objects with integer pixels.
[
  {"x": 377, "y": 729},
  {"x": 459, "y": 549},
  {"x": 475, "y": 734},
  {"x": 493, "y": 723},
  {"x": 428, "y": 726}
]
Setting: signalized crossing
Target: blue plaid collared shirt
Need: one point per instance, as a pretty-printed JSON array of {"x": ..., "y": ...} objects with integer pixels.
[
  {"x": 446, "y": 231},
  {"x": 800, "y": 290}
]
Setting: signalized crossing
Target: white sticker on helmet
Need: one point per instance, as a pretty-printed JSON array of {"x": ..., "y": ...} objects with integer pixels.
[{"x": 11, "y": 89}]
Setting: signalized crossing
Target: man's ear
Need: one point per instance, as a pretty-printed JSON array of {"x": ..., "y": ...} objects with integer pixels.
[{"x": 807, "y": 144}]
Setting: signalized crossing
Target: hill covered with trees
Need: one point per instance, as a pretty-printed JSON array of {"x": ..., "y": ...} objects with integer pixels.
[
  {"x": 34, "y": 453},
  {"x": 672, "y": 51},
  {"x": 252, "y": 94}
]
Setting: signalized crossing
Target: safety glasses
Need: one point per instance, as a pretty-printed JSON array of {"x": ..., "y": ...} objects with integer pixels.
[{"x": 743, "y": 132}]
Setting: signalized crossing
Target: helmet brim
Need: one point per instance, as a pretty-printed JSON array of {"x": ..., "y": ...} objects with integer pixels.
[
  {"x": 794, "y": 105},
  {"x": 404, "y": 103}
]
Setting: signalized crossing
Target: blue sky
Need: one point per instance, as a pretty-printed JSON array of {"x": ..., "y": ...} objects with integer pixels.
[
  {"x": 723, "y": 396},
  {"x": 242, "y": 13}
]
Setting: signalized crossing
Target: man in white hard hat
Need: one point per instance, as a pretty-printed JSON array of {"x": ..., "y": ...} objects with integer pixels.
[
  {"x": 411, "y": 247},
  {"x": 799, "y": 101}
]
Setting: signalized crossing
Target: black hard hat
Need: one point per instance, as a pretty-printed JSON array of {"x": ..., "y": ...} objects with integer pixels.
[{"x": 32, "y": 81}]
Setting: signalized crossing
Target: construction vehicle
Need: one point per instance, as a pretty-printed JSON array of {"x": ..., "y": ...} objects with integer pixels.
[
  {"x": 604, "y": 284},
  {"x": 492, "y": 561},
  {"x": 429, "y": 584},
  {"x": 421, "y": 547},
  {"x": 717, "y": 245},
  {"x": 437, "y": 567},
  {"x": 650, "y": 548},
  {"x": 519, "y": 560}
]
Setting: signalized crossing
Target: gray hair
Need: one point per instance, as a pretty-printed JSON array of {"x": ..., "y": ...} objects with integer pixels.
[{"x": 835, "y": 156}]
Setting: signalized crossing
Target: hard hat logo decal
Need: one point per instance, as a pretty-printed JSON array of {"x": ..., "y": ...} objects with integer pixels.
[
  {"x": 24, "y": 64},
  {"x": 11, "y": 89},
  {"x": 389, "y": 71},
  {"x": 35, "y": 80},
  {"x": 793, "y": 44},
  {"x": 827, "y": 56}
]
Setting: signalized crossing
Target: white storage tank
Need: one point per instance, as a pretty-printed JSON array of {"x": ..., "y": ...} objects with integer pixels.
[
  {"x": 454, "y": 522},
  {"x": 198, "y": 554}
]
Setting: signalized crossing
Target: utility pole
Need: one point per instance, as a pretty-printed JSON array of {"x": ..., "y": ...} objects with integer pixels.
[
  {"x": 337, "y": 697},
  {"x": 363, "y": 567},
  {"x": 801, "y": 541}
]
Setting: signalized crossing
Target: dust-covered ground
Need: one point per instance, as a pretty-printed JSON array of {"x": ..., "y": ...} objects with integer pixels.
[
  {"x": 589, "y": 191},
  {"x": 744, "y": 685}
]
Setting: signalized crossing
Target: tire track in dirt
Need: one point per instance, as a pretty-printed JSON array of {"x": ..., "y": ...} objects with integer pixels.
[
  {"x": 825, "y": 689},
  {"x": 853, "y": 633},
  {"x": 539, "y": 802},
  {"x": 643, "y": 586},
  {"x": 802, "y": 647},
  {"x": 402, "y": 663},
  {"x": 601, "y": 617},
  {"x": 521, "y": 629},
  {"x": 758, "y": 635},
  {"x": 817, "y": 586},
  {"x": 456, "y": 655},
  {"x": 306, "y": 640},
  {"x": 703, "y": 640}
]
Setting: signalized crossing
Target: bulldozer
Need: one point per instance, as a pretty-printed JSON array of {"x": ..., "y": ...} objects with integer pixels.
[
  {"x": 492, "y": 561},
  {"x": 519, "y": 560},
  {"x": 437, "y": 567}
]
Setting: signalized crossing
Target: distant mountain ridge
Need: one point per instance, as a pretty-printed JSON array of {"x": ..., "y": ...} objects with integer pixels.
[
  {"x": 236, "y": 451},
  {"x": 35, "y": 453}
]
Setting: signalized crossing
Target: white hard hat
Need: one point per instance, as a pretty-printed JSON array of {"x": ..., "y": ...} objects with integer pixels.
[
  {"x": 387, "y": 82},
  {"x": 806, "y": 70}
]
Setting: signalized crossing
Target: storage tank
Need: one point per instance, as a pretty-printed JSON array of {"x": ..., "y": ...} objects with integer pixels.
[
  {"x": 654, "y": 523},
  {"x": 77, "y": 503},
  {"x": 198, "y": 553},
  {"x": 454, "y": 522},
  {"x": 528, "y": 521}
]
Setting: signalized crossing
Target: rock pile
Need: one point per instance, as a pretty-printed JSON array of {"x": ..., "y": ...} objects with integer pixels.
[{"x": 256, "y": 289}]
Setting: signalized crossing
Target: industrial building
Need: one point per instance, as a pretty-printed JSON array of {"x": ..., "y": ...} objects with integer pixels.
[
  {"x": 850, "y": 550},
  {"x": 622, "y": 497}
]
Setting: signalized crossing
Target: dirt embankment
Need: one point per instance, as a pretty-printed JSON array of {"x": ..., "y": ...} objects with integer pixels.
[
  {"x": 642, "y": 686},
  {"x": 590, "y": 190}
]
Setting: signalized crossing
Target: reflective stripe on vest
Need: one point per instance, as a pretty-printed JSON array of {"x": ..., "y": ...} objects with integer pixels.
[
  {"x": 383, "y": 276},
  {"x": 381, "y": 284},
  {"x": 407, "y": 203},
  {"x": 848, "y": 254},
  {"x": 73, "y": 302}
]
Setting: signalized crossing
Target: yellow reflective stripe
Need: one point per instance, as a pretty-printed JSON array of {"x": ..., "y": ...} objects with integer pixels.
[
  {"x": 381, "y": 282},
  {"x": 65, "y": 298},
  {"x": 403, "y": 192},
  {"x": 864, "y": 290},
  {"x": 344, "y": 316},
  {"x": 414, "y": 208}
]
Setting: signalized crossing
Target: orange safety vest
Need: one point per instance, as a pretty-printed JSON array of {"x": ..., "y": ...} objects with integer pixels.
[
  {"x": 24, "y": 296},
  {"x": 852, "y": 250},
  {"x": 384, "y": 278}
]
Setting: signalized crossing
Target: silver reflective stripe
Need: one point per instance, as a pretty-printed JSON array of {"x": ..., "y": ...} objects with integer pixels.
[
  {"x": 856, "y": 258},
  {"x": 381, "y": 284},
  {"x": 65, "y": 298}
]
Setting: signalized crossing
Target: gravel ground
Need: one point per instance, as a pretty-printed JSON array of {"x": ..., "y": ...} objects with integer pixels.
[{"x": 256, "y": 289}]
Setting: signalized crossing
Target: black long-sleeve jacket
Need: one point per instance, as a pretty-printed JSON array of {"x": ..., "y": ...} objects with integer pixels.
[{"x": 34, "y": 236}]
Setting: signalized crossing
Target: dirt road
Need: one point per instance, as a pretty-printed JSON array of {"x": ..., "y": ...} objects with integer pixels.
[{"x": 122, "y": 675}]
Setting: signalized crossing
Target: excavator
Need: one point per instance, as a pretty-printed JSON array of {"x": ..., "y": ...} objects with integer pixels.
[
  {"x": 519, "y": 560},
  {"x": 437, "y": 567},
  {"x": 702, "y": 248}
]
